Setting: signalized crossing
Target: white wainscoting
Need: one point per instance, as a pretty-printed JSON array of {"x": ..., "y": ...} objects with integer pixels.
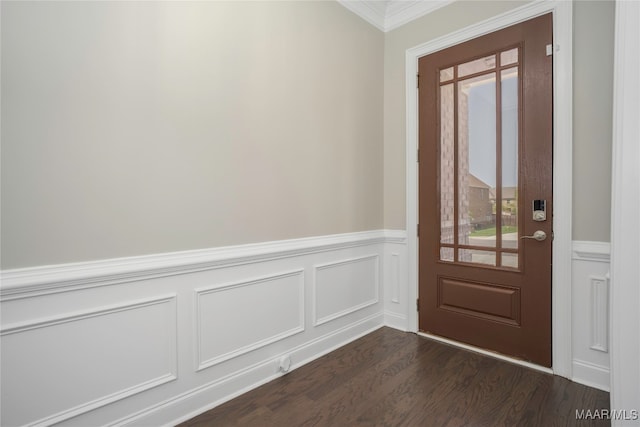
[
  {"x": 396, "y": 281},
  {"x": 99, "y": 356},
  {"x": 343, "y": 287},
  {"x": 256, "y": 324},
  {"x": 590, "y": 313},
  {"x": 154, "y": 340},
  {"x": 589, "y": 304}
]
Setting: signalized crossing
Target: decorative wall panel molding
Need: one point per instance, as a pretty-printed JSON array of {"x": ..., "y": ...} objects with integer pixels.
[
  {"x": 102, "y": 343},
  {"x": 395, "y": 278},
  {"x": 58, "y": 368},
  {"x": 600, "y": 313},
  {"x": 112, "y": 355},
  {"x": 590, "y": 313},
  {"x": 345, "y": 286},
  {"x": 396, "y": 283},
  {"x": 236, "y": 318}
]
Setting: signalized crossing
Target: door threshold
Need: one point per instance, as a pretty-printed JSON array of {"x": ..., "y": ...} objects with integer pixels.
[{"x": 487, "y": 353}]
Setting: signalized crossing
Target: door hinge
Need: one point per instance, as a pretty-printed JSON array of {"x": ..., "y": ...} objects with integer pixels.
[
  {"x": 417, "y": 81},
  {"x": 549, "y": 49},
  {"x": 417, "y": 304},
  {"x": 418, "y": 155},
  {"x": 417, "y": 230}
]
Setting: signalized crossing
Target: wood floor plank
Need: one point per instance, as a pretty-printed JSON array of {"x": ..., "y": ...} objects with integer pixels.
[
  {"x": 392, "y": 378},
  {"x": 386, "y": 397},
  {"x": 356, "y": 387}
]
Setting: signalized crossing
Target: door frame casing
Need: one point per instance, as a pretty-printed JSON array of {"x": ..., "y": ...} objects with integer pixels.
[
  {"x": 625, "y": 210},
  {"x": 562, "y": 161}
]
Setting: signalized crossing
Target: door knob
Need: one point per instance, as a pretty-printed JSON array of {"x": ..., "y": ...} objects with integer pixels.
[{"x": 538, "y": 235}]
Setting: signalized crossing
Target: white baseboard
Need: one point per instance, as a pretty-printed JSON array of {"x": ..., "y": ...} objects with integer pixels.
[
  {"x": 591, "y": 374},
  {"x": 395, "y": 321}
]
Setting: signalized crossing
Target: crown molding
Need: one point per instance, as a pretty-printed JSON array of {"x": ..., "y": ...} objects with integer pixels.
[
  {"x": 371, "y": 11},
  {"x": 388, "y": 15},
  {"x": 400, "y": 12}
]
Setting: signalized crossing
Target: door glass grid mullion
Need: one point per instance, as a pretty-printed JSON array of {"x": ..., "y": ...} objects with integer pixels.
[
  {"x": 498, "y": 116},
  {"x": 469, "y": 202}
]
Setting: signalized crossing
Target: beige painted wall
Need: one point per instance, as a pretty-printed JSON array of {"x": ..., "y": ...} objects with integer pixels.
[
  {"x": 593, "y": 33},
  {"x": 148, "y": 127},
  {"x": 593, "y": 76},
  {"x": 137, "y": 128}
]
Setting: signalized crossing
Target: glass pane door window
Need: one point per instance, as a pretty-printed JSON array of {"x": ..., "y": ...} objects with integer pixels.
[{"x": 478, "y": 163}]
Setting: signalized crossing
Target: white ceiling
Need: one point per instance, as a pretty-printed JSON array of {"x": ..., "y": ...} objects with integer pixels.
[{"x": 389, "y": 14}]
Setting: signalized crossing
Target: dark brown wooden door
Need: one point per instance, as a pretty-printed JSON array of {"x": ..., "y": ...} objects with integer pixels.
[{"x": 485, "y": 184}]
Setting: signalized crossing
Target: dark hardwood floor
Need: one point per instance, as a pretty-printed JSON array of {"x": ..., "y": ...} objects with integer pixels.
[{"x": 392, "y": 378}]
